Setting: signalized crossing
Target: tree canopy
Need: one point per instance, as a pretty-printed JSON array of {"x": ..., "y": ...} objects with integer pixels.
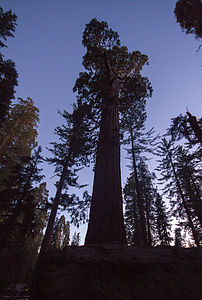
[
  {"x": 8, "y": 74},
  {"x": 189, "y": 16}
]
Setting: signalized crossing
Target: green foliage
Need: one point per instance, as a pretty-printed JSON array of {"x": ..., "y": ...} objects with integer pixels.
[
  {"x": 21, "y": 251},
  {"x": 189, "y": 16},
  {"x": 8, "y": 74},
  {"x": 180, "y": 175},
  {"x": 108, "y": 64},
  {"x": 73, "y": 151},
  {"x": 61, "y": 233},
  {"x": 131, "y": 215},
  {"x": 111, "y": 82},
  {"x": 23, "y": 198},
  {"x": 75, "y": 239},
  {"x": 162, "y": 221},
  {"x": 7, "y": 25},
  {"x": 157, "y": 223},
  {"x": 179, "y": 241},
  {"x": 18, "y": 139},
  {"x": 181, "y": 128},
  {"x": 19, "y": 205},
  {"x": 78, "y": 208},
  {"x": 18, "y": 131},
  {"x": 73, "y": 143}
]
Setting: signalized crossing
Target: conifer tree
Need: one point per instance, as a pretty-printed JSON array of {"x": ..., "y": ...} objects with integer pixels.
[
  {"x": 18, "y": 198},
  {"x": 61, "y": 233},
  {"x": 75, "y": 239},
  {"x": 180, "y": 204},
  {"x": 131, "y": 215},
  {"x": 110, "y": 84},
  {"x": 189, "y": 172},
  {"x": 18, "y": 166},
  {"x": 19, "y": 131},
  {"x": 72, "y": 151},
  {"x": 157, "y": 223},
  {"x": 162, "y": 222},
  {"x": 23, "y": 209},
  {"x": 178, "y": 237},
  {"x": 189, "y": 16},
  {"x": 8, "y": 74},
  {"x": 140, "y": 142},
  {"x": 186, "y": 127}
]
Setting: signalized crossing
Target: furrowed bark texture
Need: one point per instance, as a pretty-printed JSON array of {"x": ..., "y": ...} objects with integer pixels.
[{"x": 106, "y": 214}]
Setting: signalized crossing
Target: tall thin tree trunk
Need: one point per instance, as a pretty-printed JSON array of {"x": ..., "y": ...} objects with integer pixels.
[
  {"x": 196, "y": 200},
  {"x": 106, "y": 214},
  {"x": 148, "y": 223},
  {"x": 137, "y": 236},
  {"x": 139, "y": 197},
  {"x": 46, "y": 240}
]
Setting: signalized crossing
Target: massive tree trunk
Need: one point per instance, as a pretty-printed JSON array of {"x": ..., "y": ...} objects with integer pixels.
[{"x": 106, "y": 215}]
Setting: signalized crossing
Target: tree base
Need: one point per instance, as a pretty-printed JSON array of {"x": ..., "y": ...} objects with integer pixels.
[{"x": 107, "y": 272}]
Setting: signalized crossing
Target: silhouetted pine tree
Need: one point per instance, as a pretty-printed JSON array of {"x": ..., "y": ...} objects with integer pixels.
[
  {"x": 8, "y": 74},
  {"x": 186, "y": 127},
  {"x": 61, "y": 233},
  {"x": 162, "y": 221},
  {"x": 189, "y": 16},
  {"x": 75, "y": 239},
  {"x": 189, "y": 172},
  {"x": 157, "y": 222},
  {"x": 69, "y": 154},
  {"x": 170, "y": 172}
]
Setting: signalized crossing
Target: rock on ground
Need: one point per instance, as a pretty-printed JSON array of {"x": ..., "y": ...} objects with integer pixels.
[{"x": 114, "y": 272}]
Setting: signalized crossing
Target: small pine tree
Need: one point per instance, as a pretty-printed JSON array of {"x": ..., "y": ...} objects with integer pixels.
[
  {"x": 162, "y": 221},
  {"x": 179, "y": 241},
  {"x": 61, "y": 233},
  {"x": 75, "y": 239}
]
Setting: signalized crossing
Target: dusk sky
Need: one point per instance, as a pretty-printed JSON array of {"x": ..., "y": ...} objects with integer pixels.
[{"x": 48, "y": 54}]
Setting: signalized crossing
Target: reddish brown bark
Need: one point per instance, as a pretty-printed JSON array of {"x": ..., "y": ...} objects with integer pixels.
[{"x": 106, "y": 215}]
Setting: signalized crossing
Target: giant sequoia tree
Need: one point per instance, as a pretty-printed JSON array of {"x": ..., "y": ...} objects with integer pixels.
[{"x": 111, "y": 84}]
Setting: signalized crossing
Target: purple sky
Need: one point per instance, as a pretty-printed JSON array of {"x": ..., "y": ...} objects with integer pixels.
[{"x": 48, "y": 53}]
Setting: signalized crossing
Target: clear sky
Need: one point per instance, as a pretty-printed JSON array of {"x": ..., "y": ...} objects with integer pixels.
[{"x": 48, "y": 53}]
